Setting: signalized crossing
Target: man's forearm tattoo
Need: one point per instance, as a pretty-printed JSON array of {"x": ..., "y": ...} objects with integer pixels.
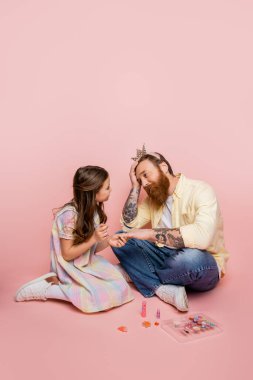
[
  {"x": 169, "y": 236},
  {"x": 131, "y": 206}
]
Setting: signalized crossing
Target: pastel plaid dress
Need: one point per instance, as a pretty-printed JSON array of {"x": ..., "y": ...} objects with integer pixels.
[{"x": 90, "y": 282}]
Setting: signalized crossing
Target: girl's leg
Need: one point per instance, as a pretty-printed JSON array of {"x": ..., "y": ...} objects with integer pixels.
[
  {"x": 53, "y": 280},
  {"x": 41, "y": 288},
  {"x": 55, "y": 292}
]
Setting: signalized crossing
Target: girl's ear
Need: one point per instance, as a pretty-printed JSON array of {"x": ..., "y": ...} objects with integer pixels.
[{"x": 164, "y": 167}]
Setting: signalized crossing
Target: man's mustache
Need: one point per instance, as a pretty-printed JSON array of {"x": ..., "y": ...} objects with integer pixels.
[{"x": 149, "y": 188}]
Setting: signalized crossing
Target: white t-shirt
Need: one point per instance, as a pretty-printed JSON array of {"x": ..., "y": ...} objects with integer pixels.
[{"x": 165, "y": 221}]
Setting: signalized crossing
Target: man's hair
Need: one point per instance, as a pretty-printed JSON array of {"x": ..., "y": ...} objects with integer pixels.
[{"x": 156, "y": 160}]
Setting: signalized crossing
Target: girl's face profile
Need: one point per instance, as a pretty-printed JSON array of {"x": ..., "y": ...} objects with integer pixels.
[{"x": 104, "y": 193}]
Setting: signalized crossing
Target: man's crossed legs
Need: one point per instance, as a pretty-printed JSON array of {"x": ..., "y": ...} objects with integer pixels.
[{"x": 166, "y": 272}]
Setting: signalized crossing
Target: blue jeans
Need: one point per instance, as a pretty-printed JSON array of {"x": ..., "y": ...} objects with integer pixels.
[{"x": 150, "y": 266}]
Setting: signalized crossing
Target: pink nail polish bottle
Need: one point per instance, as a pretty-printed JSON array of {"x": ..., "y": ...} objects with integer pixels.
[{"x": 144, "y": 309}]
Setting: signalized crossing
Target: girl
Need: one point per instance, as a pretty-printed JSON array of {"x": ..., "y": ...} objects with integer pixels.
[{"x": 79, "y": 231}]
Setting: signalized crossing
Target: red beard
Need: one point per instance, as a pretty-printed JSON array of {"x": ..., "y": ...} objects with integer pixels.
[{"x": 158, "y": 191}]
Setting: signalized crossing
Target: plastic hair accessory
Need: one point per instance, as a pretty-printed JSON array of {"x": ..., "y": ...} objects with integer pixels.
[
  {"x": 191, "y": 327},
  {"x": 122, "y": 328},
  {"x": 146, "y": 324}
]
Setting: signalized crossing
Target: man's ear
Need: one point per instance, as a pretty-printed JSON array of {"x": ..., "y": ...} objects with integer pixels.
[{"x": 164, "y": 167}]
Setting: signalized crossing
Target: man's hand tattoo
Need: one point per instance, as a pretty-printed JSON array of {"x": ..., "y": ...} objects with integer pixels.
[{"x": 170, "y": 236}]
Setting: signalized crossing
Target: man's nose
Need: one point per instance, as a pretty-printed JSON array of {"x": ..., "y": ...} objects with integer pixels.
[{"x": 144, "y": 182}]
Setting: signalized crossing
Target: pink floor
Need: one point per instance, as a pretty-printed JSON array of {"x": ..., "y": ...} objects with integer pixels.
[
  {"x": 87, "y": 82},
  {"x": 52, "y": 339}
]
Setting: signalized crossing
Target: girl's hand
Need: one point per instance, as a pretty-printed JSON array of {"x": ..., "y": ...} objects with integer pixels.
[
  {"x": 101, "y": 232},
  {"x": 117, "y": 240}
]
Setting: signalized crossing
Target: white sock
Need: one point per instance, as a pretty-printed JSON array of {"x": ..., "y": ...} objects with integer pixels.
[
  {"x": 55, "y": 292},
  {"x": 175, "y": 295}
]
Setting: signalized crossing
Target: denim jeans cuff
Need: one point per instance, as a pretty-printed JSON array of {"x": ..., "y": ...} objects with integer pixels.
[{"x": 152, "y": 293}]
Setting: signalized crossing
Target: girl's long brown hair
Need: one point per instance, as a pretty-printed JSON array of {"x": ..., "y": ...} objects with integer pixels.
[{"x": 87, "y": 181}]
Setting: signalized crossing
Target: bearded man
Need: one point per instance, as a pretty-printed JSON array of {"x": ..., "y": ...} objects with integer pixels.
[{"x": 184, "y": 248}]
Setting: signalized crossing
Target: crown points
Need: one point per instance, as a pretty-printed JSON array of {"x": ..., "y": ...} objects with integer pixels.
[{"x": 140, "y": 153}]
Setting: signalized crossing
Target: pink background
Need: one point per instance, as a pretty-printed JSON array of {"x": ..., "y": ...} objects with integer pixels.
[{"x": 87, "y": 82}]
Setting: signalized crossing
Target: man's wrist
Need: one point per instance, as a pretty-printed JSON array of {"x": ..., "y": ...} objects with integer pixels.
[
  {"x": 136, "y": 188},
  {"x": 153, "y": 236}
]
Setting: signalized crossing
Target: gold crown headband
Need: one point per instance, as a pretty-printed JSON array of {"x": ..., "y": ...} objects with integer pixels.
[{"x": 141, "y": 152}]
